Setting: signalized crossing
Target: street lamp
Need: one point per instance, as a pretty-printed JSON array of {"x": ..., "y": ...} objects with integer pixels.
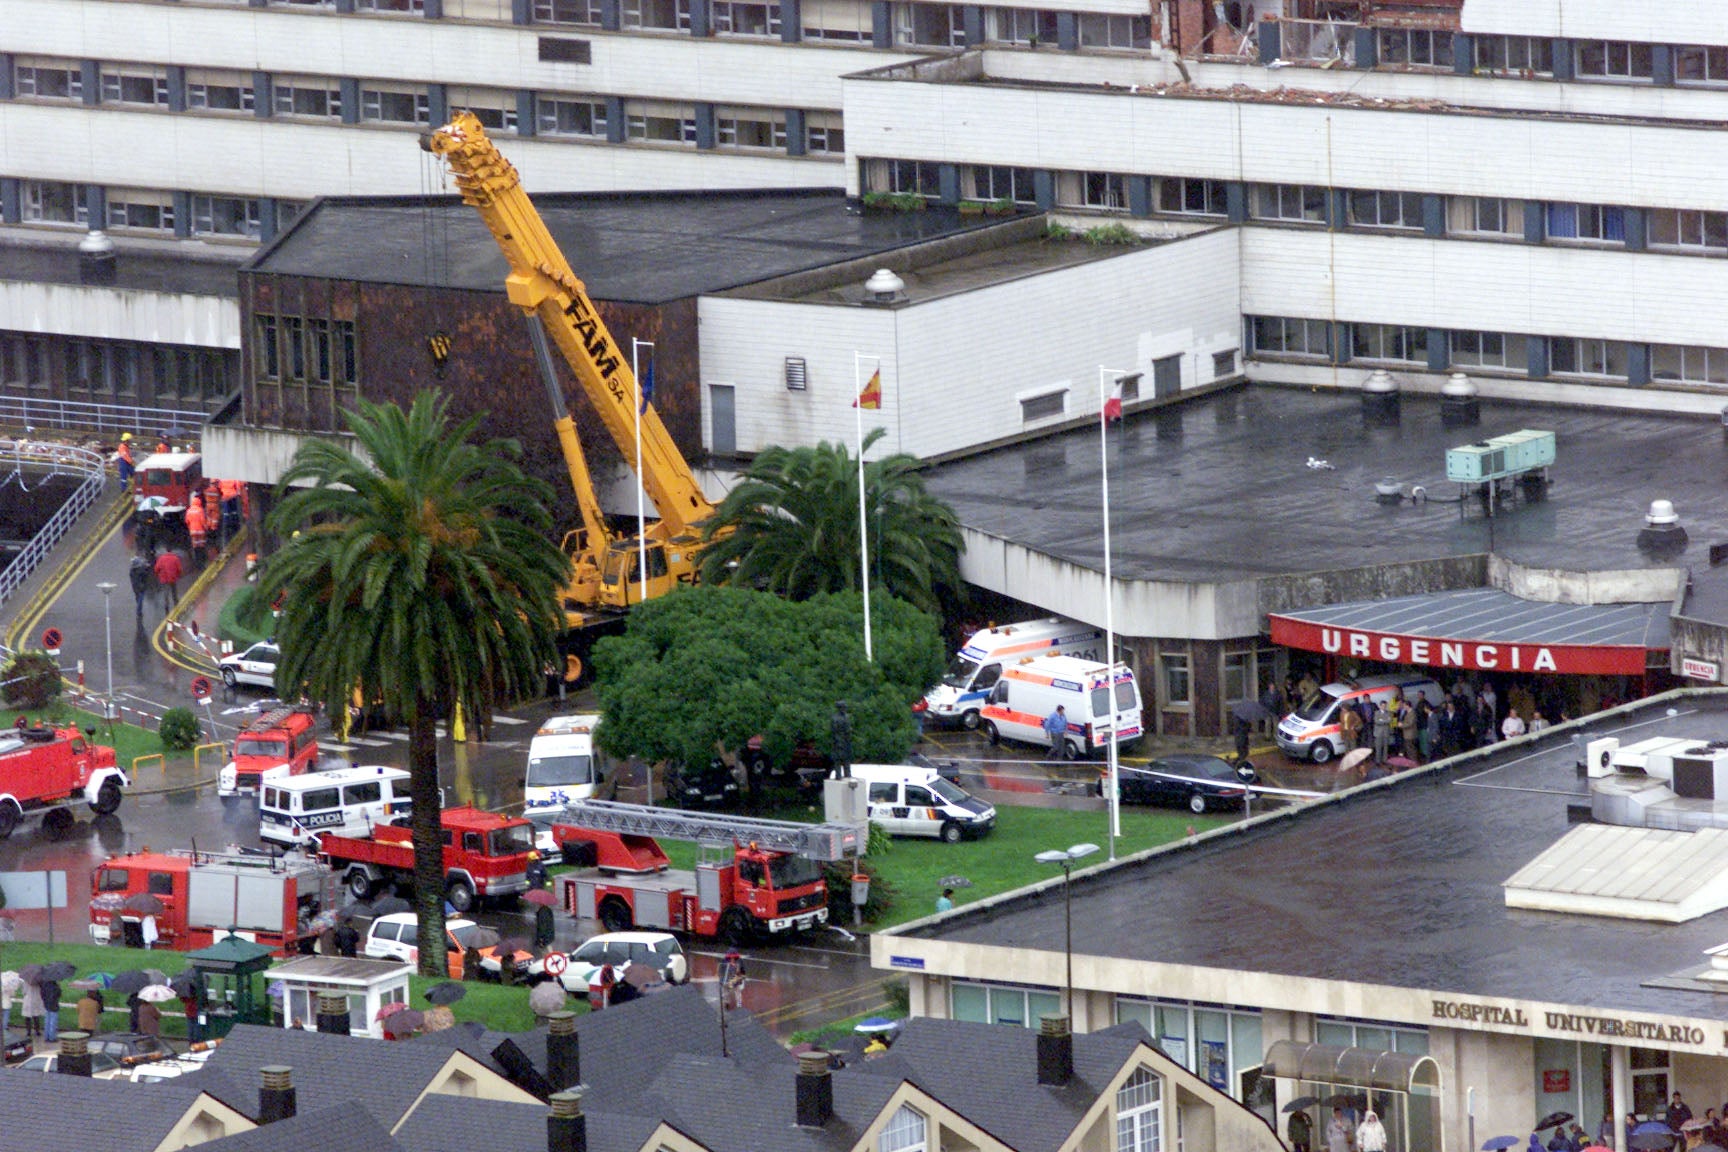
[
  {"x": 106, "y": 587},
  {"x": 1066, "y": 858},
  {"x": 1106, "y": 378}
]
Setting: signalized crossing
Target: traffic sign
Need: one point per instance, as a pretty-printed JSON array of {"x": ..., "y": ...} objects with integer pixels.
[
  {"x": 51, "y": 641},
  {"x": 201, "y": 688},
  {"x": 556, "y": 962}
]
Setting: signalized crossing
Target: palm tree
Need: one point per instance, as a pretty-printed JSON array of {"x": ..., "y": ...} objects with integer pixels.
[
  {"x": 791, "y": 526},
  {"x": 420, "y": 576}
]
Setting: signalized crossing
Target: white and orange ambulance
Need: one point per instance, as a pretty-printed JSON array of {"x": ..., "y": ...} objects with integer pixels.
[
  {"x": 1031, "y": 689},
  {"x": 973, "y": 672}
]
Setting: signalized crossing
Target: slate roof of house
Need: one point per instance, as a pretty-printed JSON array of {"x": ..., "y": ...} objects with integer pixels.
[
  {"x": 731, "y": 1106},
  {"x": 346, "y": 1127},
  {"x": 51, "y": 1112},
  {"x": 460, "y": 1124}
]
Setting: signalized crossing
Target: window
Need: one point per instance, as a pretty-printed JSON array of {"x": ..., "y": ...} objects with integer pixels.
[
  {"x": 981, "y": 182},
  {"x": 749, "y": 128},
  {"x": 1596, "y": 223},
  {"x": 1418, "y": 47},
  {"x": 1100, "y": 31},
  {"x": 294, "y": 347},
  {"x": 563, "y": 116},
  {"x": 1301, "y": 202},
  {"x": 1525, "y": 55},
  {"x": 214, "y": 90},
  {"x": 225, "y": 216},
  {"x": 734, "y": 18},
  {"x": 1388, "y": 342},
  {"x": 1223, "y": 364},
  {"x": 1044, "y": 405},
  {"x": 315, "y": 97},
  {"x": 1698, "y": 64},
  {"x": 585, "y": 12},
  {"x": 1284, "y": 336},
  {"x": 320, "y": 799},
  {"x": 920, "y": 176},
  {"x": 1649, "y": 1079},
  {"x": 265, "y": 361},
  {"x": 1677, "y": 228},
  {"x": 845, "y": 21},
  {"x": 160, "y": 884},
  {"x": 346, "y": 357},
  {"x": 1020, "y": 26},
  {"x": 823, "y": 132},
  {"x": 1386, "y": 209},
  {"x": 45, "y": 79},
  {"x": 134, "y": 208},
  {"x": 390, "y": 5},
  {"x": 394, "y": 106},
  {"x": 659, "y": 122},
  {"x": 1368, "y": 1034},
  {"x": 673, "y": 15},
  {"x": 51, "y": 202},
  {"x": 1191, "y": 197},
  {"x": 1586, "y": 357},
  {"x": 1138, "y": 1108},
  {"x": 931, "y": 25},
  {"x": 1612, "y": 60},
  {"x": 904, "y": 1132},
  {"x": 1002, "y": 1004},
  {"x": 1175, "y": 678},
  {"x": 1484, "y": 216},
  {"x": 493, "y": 107},
  {"x": 1489, "y": 350},
  {"x": 1105, "y": 191},
  {"x": 134, "y": 84},
  {"x": 1692, "y": 365},
  {"x": 1215, "y": 1042}
]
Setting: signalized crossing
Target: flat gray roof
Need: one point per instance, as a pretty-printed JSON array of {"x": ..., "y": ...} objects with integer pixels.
[
  {"x": 1492, "y": 615},
  {"x": 1338, "y": 891},
  {"x": 54, "y": 260},
  {"x": 1217, "y": 488}
]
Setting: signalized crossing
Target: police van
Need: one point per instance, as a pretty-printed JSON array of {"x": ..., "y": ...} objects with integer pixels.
[
  {"x": 293, "y": 810},
  {"x": 908, "y": 800},
  {"x": 1030, "y": 690},
  {"x": 973, "y": 672}
]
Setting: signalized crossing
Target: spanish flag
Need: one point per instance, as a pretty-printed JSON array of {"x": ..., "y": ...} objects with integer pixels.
[{"x": 871, "y": 397}]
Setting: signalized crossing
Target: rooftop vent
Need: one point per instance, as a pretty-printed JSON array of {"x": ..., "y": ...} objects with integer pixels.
[
  {"x": 884, "y": 287},
  {"x": 1380, "y": 403},
  {"x": 1662, "y": 537},
  {"x": 1459, "y": 404},
  {"x": 96, "y": 263}
]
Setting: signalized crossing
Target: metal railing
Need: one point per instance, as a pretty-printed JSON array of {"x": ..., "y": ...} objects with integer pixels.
[
  {"x": 103, "y": 419},
  {"x": 60, "y": 459}
]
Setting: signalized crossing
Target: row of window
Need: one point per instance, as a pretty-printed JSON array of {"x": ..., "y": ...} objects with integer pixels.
[
  {"x": 147, "y": 210},
  {"x": 105, "y": 371},
  {"x": 1440, "y": 349},
  {"x": 312, "y": 349},
  {"x": 1524, "y": 56}
]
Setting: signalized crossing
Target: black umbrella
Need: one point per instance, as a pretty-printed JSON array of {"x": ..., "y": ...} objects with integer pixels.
[
  {"x": 184, "y": 983},
  {"x": 359, "y": 908},
  {"x": 1498, "y": 1143},
  {"x": 390, "y": 905},
  {"x": 404, "y": 1022},
  {"x": 129, "y": 982},
  {"x": 1647, "y": 1141},
  {"x": 446, "y": 993},
  {"x": 30, "y": 973},
  {"x": 143, "y": 903},
  {"x": 59, "y": 970},
  {"x": 1552, "y": 1119},
  {"x": 1301, "y": 1102},
  {"x": 1250, "y": 711}
]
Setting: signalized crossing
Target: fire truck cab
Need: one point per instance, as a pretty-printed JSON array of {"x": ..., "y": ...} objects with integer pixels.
[
  {"x": 281, "y": 742},
  {"x": 43, "y": 771},
  {"x": 164, "y": 484}
]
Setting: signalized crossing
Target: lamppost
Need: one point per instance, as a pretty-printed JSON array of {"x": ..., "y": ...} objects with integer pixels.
[
  {"x": 1066, "y": 858},
  {"x": 106, "y": 587},
  {"x": 1107, "y": 378}
]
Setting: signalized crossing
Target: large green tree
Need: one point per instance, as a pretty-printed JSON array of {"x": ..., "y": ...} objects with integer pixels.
[
  {"x": 421, "y": 573},
  {"x": 707, "y": 668},
  {"x": 791, "y": 526}
]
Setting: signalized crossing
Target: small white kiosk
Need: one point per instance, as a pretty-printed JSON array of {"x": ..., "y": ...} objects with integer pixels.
[{"x": 367, "y": 985}]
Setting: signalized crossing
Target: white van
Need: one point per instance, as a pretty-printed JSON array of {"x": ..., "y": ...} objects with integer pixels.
[
  {"x": 911, "y": 801},
  {"x": 979, "y": 663},
  {"x": 1312, "y": 732},
  {"x": 1031, "y": 689},
  {"x": 293, "y": 810},
  {"x": 563, "y": 764}
]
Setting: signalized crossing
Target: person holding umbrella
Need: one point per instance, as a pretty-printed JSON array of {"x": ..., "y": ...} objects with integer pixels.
[
  {"x": 346, "y": 938},
  {"x": 32, "y": 1000},
  {"x": 50, "y": 993},
  {"x": 1300, "y": 1128}
]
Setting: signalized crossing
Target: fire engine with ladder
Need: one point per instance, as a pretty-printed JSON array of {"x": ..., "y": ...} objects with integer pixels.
[{"x": 754, "y": 879}]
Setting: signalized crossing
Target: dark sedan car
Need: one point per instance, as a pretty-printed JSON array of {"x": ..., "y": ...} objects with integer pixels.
[{"x": 1198, "y": 781}]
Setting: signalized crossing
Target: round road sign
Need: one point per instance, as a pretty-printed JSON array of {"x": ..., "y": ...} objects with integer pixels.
[
  {"x": 201, "y": 688},
  {"x": 51, "y": 639},
  {"x": 556, "y": 962}
]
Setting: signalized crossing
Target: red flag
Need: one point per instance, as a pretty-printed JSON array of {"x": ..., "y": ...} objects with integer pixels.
[
  {"x": 1113, "y": 406},
  {"x": 871, "y": 397}
]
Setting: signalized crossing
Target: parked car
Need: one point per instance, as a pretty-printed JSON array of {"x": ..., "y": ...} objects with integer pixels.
[
  {"x": 130, "y": 1046},
  {"x": 657, "y": 950},
  {"x": 397, "y": 937},
  {"x": 172, "y": 1068},
  {"x": 102, "y": 1065},
  {"x": 256, "y": 665},
  {"x": 1198, "y": 781},
  {"x": 712, "y": 786}
]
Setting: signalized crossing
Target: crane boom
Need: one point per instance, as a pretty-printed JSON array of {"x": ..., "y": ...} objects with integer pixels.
[
  {"x": 822, "y": 842},
  {"x": 542, "y": 284}
]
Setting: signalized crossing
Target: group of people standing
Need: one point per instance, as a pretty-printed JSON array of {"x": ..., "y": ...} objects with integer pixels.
[{"x": 1343, "y": 1132}]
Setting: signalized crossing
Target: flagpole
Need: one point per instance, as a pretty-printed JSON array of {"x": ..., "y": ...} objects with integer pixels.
[
  {"x": 858, "y": 359},
  {"x": 1104, "y": 375},
  {"x": 641, "y": 518}
]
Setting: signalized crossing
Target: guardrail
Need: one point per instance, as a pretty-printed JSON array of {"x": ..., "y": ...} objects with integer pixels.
[
  {"x": 62, "y": 459},
  {"x": 103, "y": 419}
]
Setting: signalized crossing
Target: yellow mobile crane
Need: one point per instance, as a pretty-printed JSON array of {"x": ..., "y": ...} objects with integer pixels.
[{"x": 607, "y": 577}]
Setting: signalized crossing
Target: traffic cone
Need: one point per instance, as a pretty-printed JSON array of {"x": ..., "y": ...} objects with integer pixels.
[{"x": 458, "y": 730}]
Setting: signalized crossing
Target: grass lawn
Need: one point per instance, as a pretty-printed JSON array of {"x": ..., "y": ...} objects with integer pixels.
[
  {"x": 129, "y": 741},
  {"x": 497, "y": 1007},
  {"x": 1000, "y": 861}
]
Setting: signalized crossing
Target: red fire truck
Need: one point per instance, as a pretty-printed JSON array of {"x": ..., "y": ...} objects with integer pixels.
[
  {"x": 754, "y": 878},
  {"x": 284, "y": 739},
  {"x": 485, "y": 856},
  {"x": 43, "y": 771},
  {"x": 266, "y": 899}
]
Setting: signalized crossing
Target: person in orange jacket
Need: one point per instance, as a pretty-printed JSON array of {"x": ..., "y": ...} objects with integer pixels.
[
  {"x": 213, "y": 511},
  {"x": 196, "y": 527},
  {"x": 123, "y": 455}
]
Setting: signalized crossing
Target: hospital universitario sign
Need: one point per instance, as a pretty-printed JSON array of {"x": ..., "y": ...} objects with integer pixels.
[{"x": 1524, "y": 1018}]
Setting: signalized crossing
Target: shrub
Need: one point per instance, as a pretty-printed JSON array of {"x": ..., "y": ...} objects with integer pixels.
[
  {"x": 839, "y": 876},
  {"x": 1055, "y": 231},
  {"x": 32, "y": 681},
  {"x": 1110, "y": 234},
  {"x": 179, "y": 729}
]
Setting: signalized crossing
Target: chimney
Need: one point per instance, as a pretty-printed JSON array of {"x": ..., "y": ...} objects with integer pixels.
[
  {"x": 74, "y": 1054},
  {"x": 1055, "y": 1052},
  {"x": 276, "y": 1097},
  {"x": 566, "y": 1127},
  {"x": 563, "y": 1051},
  {"x": 333, "y": 1014},
  {"x": 815, "y": 1090}
]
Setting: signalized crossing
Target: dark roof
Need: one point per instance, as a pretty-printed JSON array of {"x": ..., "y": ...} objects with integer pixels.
[
  {"x": 639, "y": 247},
  {"x": 1349, "y": 881},
  {"x": 50, "y": 1112},
  {"x": 327, "y": 1069},
  {"x": 462, "y": 1124},
  {"x": 1490, "y": 614},
  {"x": 135, "y": 268},
  {"x": 348, "y": 1127},
  {"x": 730, "y": 1106},
  {"x": 218, "y": 1085},
  {"x": 1217, "y": 488},
  {"x": 1707, "y": 598}
]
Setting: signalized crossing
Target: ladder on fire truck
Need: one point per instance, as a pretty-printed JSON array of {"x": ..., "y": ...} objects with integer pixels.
[{"x": 820, "y": 842}]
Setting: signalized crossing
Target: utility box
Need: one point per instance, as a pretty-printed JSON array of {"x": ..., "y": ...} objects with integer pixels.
[{"x": 1523, "y": 451}]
